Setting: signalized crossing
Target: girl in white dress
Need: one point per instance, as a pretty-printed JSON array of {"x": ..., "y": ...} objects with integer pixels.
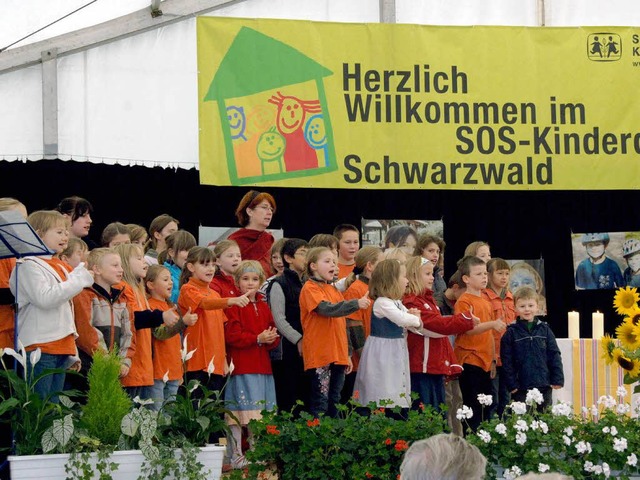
[{"x": 383, "y": 375}]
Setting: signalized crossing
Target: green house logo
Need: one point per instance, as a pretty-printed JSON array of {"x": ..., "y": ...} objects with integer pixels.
[{"x": 273, "y": 111}]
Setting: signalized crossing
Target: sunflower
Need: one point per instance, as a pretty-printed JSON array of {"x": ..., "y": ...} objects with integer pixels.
[
  {"x": 634, "y": 315},
  {"x": 616, "y": 354},
  {"x": 608, "y": 345},
  {"x": 626, "y": 333},
  {"x": 625, "y": 300},
  {"x": 631, "y": 365}
]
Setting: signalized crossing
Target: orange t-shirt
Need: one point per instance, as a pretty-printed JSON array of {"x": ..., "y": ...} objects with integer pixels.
[
  {"x": 66, "y": 345},
  {"x": 7, "y": 320},
  {"x": 207, "y": 335},
  {"x": 141, "y": 371},
  {"x": 166, "y": 353},
  {"x": 324, "y": 339},
  {"x": 478, "y": 350},
  {"x": 502, "y": 308},
  {"x": 345, "y": 270},
  {"x": 355, "y": 291}
]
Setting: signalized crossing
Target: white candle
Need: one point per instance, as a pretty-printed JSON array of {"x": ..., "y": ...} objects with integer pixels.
[
  {"x": 574, "y": 325},
  {"x": 597, "y": 319}
]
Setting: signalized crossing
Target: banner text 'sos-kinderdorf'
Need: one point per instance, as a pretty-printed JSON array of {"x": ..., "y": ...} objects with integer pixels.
[{"x": 305, "y": 104}]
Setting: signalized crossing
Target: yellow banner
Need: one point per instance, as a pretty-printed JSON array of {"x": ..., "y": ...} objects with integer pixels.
[{"x": 304, "y": 104}]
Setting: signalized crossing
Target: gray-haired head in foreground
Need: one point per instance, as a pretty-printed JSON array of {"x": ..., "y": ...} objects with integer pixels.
[
  {"x": 544, "y": 476},
  {"x": 443, "y": 457}
]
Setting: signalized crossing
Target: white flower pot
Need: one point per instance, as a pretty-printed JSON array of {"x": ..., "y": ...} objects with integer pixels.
[{"x": 52, "y": 467}]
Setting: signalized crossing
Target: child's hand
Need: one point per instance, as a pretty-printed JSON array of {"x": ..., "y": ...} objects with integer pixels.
[
  {"x": 189, "y": 319},
  {"x": 556, "y": 387},
  {"x": 268, "y": 336},
  {"x": 170, "y": 317},
  {"x": 241, "y": 301},
  {"x": 364, "y": 301},
  {"x": 414, "y": 311},
  {"x": 499, "y": 326},
  {"x": 476, "y": 320},
  {"x": 76, "y": 366},
  {"x": 349, "y": 368},
  {"x": 124, "y": 371}
]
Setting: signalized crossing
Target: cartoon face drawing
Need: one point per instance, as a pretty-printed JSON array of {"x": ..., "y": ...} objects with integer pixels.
[
  {"x": 259, "y": 119},
  {"x": 237, "y": 121},
  {"x": 315, "y": 133},
  {"x": 271, "y": 145},
  {"x": 292, "y": 111}
]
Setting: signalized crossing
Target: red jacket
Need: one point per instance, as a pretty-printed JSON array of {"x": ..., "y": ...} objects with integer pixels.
[
  {"x": 224, "y": 284},
  {"x": 433, "y": 355},
  {"x": 241, "y": 336}
]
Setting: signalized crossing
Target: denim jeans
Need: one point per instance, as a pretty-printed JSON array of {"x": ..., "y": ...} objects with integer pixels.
[
  {"x": 50, "y": 384},
  {"x": 162, "y": 392},
  {"x": 326, "y": 385}
]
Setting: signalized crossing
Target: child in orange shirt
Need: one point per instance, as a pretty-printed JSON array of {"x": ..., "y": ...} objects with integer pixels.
[
  {"x": 475, "y": 349},
  {"x": 167, "y": 363},
  {"x": 7, "y": 265},
  {"x": 501, "y": 299},
  {"x": 324, "y": 342},
  {"x": 348, "y": 245},
  {"x": 205, "y": 338},
  {"x": 44, "y": 289},
  {"x": 359, "y": 322}
]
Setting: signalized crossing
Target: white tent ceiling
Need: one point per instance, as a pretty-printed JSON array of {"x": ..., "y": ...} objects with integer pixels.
[{"x": 133, "y": 100}]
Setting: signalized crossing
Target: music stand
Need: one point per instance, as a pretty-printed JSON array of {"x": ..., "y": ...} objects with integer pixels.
[{"x": 18, "y": 240}]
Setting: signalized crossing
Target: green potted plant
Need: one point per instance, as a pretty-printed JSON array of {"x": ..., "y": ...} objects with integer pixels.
[{"x": 363, "y": 442}]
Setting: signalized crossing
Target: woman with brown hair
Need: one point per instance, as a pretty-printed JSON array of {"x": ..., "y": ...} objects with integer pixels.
[{"x": 254, "y": 214}]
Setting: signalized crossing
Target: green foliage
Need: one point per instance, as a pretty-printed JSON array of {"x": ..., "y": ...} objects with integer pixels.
[
  {"x": 22, "y": 408},
  {"x": 196, "y": 413},
  {"x": 362, "y": 443},
  {"x": 107, "y": 402},
  {"x": 582, "y": 446}
]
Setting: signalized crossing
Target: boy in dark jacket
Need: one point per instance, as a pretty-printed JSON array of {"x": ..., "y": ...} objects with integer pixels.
[{"x": 530, "y": 355}]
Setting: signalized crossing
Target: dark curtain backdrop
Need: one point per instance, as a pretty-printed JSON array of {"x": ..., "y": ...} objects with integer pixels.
[{"x": 517, "y": 224}]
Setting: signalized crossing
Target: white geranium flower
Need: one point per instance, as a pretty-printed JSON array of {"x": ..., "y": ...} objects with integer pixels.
[
  {"x": 519, "y": 408},
  {"x": 606, "y": 470},
  {"x": 543, "y": 426},
  {"x": 619, "y": 444},
  {"x": 585, "y": 411},
  {"x": 543, "y": 467},
  {"x": 582, "y": 447},
  {"x": 614, "y": 431},
  {"x": 512, "y": 473},
  {"x": 594, "y": 411},
  {"x": 569, "y": 431},
  {"x": 621, "y": 392},
  {"x": 464, "y": 412},
  {"x": 521, "y": 438},
  {"x": 484, "y": 436},
  {"x": 632, "y": 460},
  {"x": 606, "y": 430},
  {"x": 485, "y": 400},
  {"x": 501, "y": 429},
  {"x": 566, "y": 440},
  {"x": 607, "y": 401},
  {"x": 623, "y": 408},
  {"x": 588, "y": 466},
  {"x": 561, "y": 409},
  {"x": 521, "y": 426},
  {"x": 534, "y": 397},
  {"x": 597, "y": 469}
]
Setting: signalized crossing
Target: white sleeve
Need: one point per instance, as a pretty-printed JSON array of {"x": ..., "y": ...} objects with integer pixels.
[
  {"x": 38, "y": 287},
  {"x": 340, "y": 284},
  {"x": 395, "y": 312}
]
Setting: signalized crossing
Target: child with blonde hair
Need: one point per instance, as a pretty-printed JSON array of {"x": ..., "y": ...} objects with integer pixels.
[
  {"x": 478, "y": 249},
  {"x": 137, "y": 234},
  {"x": 431, "y": 356},
  {"x": 359, "y": 322},
  {"x": 44, "y": 290},
  {"x": 75, "y": 253},
  {"x": 324, "y": 342},
  {"x": 167, "y": 362},
  {"x": 383, "y": 374},
  {"x": 250, "y": 334},
  {"x": 101, "y": 314}
]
